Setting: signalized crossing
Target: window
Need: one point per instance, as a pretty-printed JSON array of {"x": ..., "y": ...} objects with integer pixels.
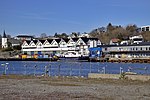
[
  {"x": 131, "y": 49},
  {"x": 143, "y": 29},
  {"x": 136, "y": 49},
  {"x": 147, "y": 28},
  {"x": 141, "y": 48},
  {"x": 146, "y": 48}
]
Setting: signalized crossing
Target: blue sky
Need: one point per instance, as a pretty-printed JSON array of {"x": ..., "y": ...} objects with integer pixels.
[{"x": 34, "y": 17}]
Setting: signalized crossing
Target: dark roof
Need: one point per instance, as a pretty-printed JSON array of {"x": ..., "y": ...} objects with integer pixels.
[
  {"x": 42, "y": 41},
  {"x": 4, "y": 34},
  {"x": 14, "y": 41},
  {"x": 87, "y": 39},
  {"x": 57, "y": 40},
  {"x": 75, "y": 39},
  {"x": 35, "y": 41},
  {"x": 66, "y": 40},
  {"x": 50, "y": 40},
  {"x": 24, "y": 36},
  {"x": 93, "y": 39},
  {"x": 28, "y": 41}
]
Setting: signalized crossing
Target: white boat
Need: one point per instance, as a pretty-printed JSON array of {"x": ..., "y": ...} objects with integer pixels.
[{"x": 72, "y": 55}]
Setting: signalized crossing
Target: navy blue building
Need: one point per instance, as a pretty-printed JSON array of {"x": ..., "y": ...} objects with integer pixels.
[{"x": 95, "y": 53}]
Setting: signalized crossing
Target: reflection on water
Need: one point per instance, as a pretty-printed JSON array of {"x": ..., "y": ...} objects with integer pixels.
[{"x": 69, "y": 68}]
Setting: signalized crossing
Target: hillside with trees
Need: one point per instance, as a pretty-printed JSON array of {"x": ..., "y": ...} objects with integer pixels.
[{"x": 105, "y": 34}]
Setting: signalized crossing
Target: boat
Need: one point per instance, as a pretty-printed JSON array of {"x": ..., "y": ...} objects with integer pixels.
[{"x": 72, "y": 55}]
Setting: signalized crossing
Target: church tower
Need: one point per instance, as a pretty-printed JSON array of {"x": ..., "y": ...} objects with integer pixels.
[{"x": 4, "y": 40}]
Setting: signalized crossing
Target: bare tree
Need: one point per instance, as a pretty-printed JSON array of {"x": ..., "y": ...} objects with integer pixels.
[{"x": 43, "y": 35}]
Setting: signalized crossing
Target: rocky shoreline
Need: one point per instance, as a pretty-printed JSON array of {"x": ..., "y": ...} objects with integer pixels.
[{"x": 59, "y": 88}]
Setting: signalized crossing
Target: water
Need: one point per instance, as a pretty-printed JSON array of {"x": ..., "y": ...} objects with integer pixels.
[{"x": 69, "y": 68}]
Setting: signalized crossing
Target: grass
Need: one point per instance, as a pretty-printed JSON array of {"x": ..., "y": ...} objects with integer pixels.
[{"x": 65, "y": 81}]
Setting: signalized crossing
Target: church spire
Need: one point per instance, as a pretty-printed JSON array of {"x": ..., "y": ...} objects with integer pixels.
[{"x": 4, "y": 35}]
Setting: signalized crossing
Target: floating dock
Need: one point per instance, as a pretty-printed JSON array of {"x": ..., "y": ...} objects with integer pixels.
[{"x": 27, "y": 59}]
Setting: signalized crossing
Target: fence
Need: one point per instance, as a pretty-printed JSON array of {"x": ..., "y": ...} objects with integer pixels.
[{"x": 80, "y": 69}]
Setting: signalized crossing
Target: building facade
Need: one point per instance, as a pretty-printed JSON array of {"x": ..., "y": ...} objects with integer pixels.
[
  {"x": 4, "y": 40},
  {"x": 24, "y": 37},
  {"x": 145, "y": 28},
  {"x": 133, "y": 51},
  {"x": 59, "y": 46}
]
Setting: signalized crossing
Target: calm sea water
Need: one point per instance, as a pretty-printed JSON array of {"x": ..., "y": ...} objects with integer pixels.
[{"x": 69, "y": 68}]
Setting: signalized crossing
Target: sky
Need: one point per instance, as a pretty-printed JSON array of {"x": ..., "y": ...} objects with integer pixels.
[{"x": 33, "y": 17}]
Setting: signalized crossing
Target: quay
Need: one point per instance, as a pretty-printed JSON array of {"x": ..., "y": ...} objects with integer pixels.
[
  {"x": 27, "y": 59},
  {"x": 129, "y": 60},
  {"x": 118, "y": 76}
]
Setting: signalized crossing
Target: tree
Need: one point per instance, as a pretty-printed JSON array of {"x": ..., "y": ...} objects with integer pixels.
[
  {"x": 8, "y": 36},
  {"x": 63, "y": 35},
  {"x": 102, "y": 29},
  {"x": 146, "y": 35},
  {"x": 75, "y": 34},
  {"x": 43, "y": 35},
  {"x": 56, "y": 35},
  {"x": 110, "y": 28},
  {"x": 132, "y": 29}
]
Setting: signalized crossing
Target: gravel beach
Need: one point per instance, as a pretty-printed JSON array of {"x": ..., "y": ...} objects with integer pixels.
[{"x": 62, "y": 88}]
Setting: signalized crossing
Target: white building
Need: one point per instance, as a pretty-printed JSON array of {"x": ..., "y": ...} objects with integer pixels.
[
  {"x": 142, "y": 50},
  {"x": 59, "y": 46},
  {"x": 4, "y": 40},
  {"x": 145, "y": 28},
  {"x": 24, "y": 37},
  {"x": 136, "y": 39},
  {"x": 9, "y": 42}
]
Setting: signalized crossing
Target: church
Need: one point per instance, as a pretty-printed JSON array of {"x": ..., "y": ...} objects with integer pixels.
[
  {"x": 9, "y": 42},
  {"x": 4, "y": 40}
]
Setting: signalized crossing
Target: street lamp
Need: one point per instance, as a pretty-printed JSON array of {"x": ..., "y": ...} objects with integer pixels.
[
  {"x": 6, "y": 67},
  {"x": 25, "y": 69},
  {"x": 104, "y": 70},
  {"x": 121, "y": 70}
]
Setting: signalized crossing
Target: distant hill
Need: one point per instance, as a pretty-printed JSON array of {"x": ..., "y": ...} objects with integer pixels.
[{"x": 105, "y": 34}]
